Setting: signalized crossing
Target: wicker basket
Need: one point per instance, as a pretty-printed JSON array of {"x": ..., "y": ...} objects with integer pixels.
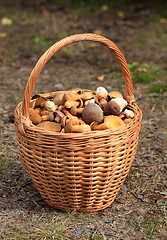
[{"x": 77, "y": 171}]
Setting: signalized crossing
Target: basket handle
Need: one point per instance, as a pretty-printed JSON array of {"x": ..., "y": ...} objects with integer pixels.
[{"x": 65, "y": 42}]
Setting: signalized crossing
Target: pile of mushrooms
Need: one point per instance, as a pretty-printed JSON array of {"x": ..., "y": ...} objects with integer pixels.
[{"x": 77, "y": 111}]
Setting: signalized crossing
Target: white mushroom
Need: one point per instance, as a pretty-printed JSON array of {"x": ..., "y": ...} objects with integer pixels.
[
  {"x": 128, "y": 113},
  {"x": 50, "y": 106}
]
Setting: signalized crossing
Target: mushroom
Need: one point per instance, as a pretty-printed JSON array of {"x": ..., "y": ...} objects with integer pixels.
[
  {"x": 69, "y": 117},
  {"x": 70, "y": 104},
  {"x": 101, "y": 93},
  {"x": 92, "y": 113},
  {"x": 39, "y": 101},
  {"x": 128, "y": 113},
  {"x": 69, "y": 96},
  {"x": 110, "y": 122},
  {"x": 50, "y": 106},
  {"x": 101, "y": 89},
  {"x": 76, "y": 111},
  {"x": 52, "y": 126},
  {"x": 73, "y": 96},
  {"x": 127, "y": 120},
  {"x": 44, "y": 112},
  {"x": 69, "y": 128},
  {"x": 115, "y": 94},
  {"x": 92, "y": 100},
  {"x": 102, "y": 103},
  {"x": 115, "y": 106},
  {"x": 38, "y": 110},
  {"x": 64, "y": 121},
  {"x": 58, "y": 115},
  {"x": 58, "y": 98},
  {"x": 48, "y": 117},
  {"x": 34, "y": 116}
]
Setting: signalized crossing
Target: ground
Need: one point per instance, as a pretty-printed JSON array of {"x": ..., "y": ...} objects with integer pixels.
[{"x": 140, "y": 31}]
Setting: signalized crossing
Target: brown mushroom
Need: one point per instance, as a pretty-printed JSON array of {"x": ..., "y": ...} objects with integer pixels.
[
  {"x": 48, "y": 117},
  {"x": 92, "y": 113},
  {"x": 52, "y": 126},
  {"x": 127, "y": 120},
  {"x": 115, "y": 106},
  {"x": 58, "y": 98},
  {"x": 110, "y": 122},
  {"x": 69, "y": 117},
  {"x": 69, "y": 128},
  {"x": 34, "y": 116},
  {"x": 102, "y": 103},
  {"x": 39, "y": 101},
  {"x": 38, "y": 110},
  {"x": 44, "y": 112},
  {"x": 71, "y": 96},
  {"x": 77, "y": 103}
]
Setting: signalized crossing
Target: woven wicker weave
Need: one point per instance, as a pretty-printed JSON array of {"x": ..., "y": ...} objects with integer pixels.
[{"x": 77, "y": 171}]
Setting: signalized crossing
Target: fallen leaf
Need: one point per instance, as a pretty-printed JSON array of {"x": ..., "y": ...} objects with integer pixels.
[
  {"x": 97, "y": 31},
  {"x": 76, "y": 25},
  {"x": 46, "y": 13},
  {"x": 2, "y": 112},
  {"x": 121, "y": 14},
  {"x": 3, "y": 35},
  {"x": 163, "y": 20},
  {"x": 6, "y": 21},
  {"x": 100, "y": 78},
  {"x": 142, "y": 70},
  {"x": 92, "y": 45},
  {"x": 104, "y": 8}
]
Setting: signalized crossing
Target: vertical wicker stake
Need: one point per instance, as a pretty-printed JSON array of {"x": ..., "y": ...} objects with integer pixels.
[{"x": 77, "y": 171}]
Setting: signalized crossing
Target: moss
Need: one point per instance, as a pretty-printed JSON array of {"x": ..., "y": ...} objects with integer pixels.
[
  {"x": 158, "y": 89},
  {"x": 144, "y": 77}
]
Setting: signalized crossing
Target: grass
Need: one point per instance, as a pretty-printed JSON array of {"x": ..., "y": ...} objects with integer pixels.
[
  {"x": 151, "y": 229},
  {"x": 159, "y": 89},
  {"x": 144, "y": 77},
  {"x": 54, "y": 233}
]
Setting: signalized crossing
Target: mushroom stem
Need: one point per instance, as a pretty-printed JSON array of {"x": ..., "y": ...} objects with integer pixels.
[
  {"x": 70, "y": 104},
  {"x": 76, "y": 111}
]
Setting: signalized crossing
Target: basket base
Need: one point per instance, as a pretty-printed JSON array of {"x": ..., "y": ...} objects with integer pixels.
[{"x": 80, "y": 209}]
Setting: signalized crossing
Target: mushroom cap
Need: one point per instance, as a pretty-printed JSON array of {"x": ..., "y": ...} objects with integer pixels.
[
  {"x": 58, "y": 98},
  {"x": 115, "y": 94},
  {"x": 52, "y": 126},
  {"x": 114, "y": 121},
  {"x": 112, "y": 108},
  {"x": 101, "y": 89},
  {"x": 115, "y": 106},
  {"x": 50, "y": 105},
  {"x": 39, "y": 101},
  {"x": 92, "y": 113},
  {"x": 34, "y": 116},
  {"x": 81, "y": 128}
]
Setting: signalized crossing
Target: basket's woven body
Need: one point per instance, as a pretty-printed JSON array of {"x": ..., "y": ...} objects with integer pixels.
[{"x": 76, "y": 171}]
